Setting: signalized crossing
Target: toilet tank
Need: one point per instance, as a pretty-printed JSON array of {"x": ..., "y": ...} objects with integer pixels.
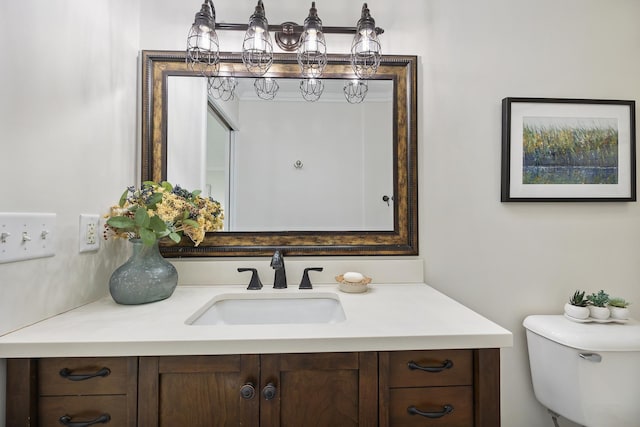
[{"x": 586, "y": 372}]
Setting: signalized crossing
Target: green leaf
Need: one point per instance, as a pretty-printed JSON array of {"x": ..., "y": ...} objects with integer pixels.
[
  {"x": 157, "y": 224},
  {"x": 142, "y": 218},
  {"x": 123, "y": 222},
  {"x": 123, "y": 198},
  {"x": 191, "y": 223},
  {"x": 161, "y": 234},
  {"x": 196, "y": 192},
  {"x": 148, "y": 183},
  {"x": 154, "y": 199},
  {"x": 175, "y": 237},
  {"x": 148, "y": 237},
  {"x": 167, "y": 186}
]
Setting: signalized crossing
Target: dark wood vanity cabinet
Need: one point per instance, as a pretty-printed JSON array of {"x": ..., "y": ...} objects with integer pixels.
[
  {"x": 324, "y": 389},
  {"x": 427, "y": 388},
  {"x": 452, "y": 388},
  {"x": 72, "y": 391},
  {"x": 445, "y": 388}
]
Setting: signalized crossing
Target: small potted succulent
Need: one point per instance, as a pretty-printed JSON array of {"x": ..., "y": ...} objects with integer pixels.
[
  {"x": 577, "y": 306},
  {"x": 598, "y": 305},
  {"x": 619, "y": 308}
]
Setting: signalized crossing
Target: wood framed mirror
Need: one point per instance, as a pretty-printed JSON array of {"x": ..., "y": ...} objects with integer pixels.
[{"x": 328, "y": 157}]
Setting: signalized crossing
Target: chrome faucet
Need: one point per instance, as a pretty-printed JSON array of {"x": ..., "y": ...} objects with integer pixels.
[{"x": 277, "y": 263}]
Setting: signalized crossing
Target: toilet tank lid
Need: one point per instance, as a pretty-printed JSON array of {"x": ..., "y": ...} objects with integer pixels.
[{"x": 586, "y": 336}]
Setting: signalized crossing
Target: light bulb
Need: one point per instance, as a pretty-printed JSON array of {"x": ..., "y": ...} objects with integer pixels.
[{"x": 311, "y": 41}]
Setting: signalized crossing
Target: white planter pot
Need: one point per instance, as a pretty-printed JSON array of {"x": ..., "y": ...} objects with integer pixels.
[
  {"x": 619, "y": 313},
  {"x": 601, "y": 313},
  {"x": 576, "y": 312}
]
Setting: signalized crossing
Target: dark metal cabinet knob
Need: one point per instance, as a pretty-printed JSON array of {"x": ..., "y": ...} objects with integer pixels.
[
  {"x": 247, "y": 391},
  {"x": 269, "y": 391}
]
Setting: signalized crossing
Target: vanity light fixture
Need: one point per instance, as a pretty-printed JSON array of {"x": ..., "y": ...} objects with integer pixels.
[
  {"x": 365, "y": 49},
  {"x": 312, "y": 50},
  {"x": 203, "y": 53},
  {"x": 266, "y": 88},
  {"x": 308, "y": 40},
  {"x": 257, "y": 49},
  {"x": 355, "y": 91},
  {"x": 311, "y": 89}
]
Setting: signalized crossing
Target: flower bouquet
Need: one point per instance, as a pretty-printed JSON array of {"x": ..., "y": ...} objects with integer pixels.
[{"x": 158, "y": 210}]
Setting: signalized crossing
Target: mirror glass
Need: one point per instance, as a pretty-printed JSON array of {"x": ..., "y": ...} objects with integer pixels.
[
  {"x": 281, "y": 155},
  {"x": 322, "y": 177}
]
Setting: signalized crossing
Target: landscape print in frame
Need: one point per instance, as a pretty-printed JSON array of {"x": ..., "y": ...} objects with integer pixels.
[{"x": 557, "y": 149}]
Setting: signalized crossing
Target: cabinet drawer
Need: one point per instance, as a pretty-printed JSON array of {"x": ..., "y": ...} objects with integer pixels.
[
  {"x": 432, "y": 400},
  {"x": 82, "y": 409},
  {"x": 450, "y": 367},
  {"x": 113, "y": 379}
]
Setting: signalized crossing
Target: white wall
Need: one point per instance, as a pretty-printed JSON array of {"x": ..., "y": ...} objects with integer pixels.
[
  {"x": 503, "y": 260},
  {"x": 510, "y": 260},
  {"x": 68, "y": 101},
  {"x": 266, "y": 149},
  {"x": 187, "y": 132}
]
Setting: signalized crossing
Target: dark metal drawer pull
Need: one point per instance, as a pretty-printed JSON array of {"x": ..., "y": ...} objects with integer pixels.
[
  {"x": 446, "y": 409},
  {"x": 102, "y": 419},
  {"x": 66, "y": 373},
  {"x": 447, "y": 364}
]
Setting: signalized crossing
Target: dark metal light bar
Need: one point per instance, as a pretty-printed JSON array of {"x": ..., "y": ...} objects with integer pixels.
[{"x": 296, "y": 28}]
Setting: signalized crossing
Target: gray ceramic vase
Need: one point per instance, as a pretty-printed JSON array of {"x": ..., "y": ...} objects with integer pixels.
[{"x": 145, "y": 277}]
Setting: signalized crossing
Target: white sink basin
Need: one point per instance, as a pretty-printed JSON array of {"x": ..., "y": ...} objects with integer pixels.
[{"x": 269, "y": 308}]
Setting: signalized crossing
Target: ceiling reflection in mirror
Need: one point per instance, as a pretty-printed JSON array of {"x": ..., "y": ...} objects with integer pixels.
[{"x": 322, "y": 177}]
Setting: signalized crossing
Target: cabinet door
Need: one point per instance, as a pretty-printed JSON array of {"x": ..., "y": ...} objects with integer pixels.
[
  {"x": 198, "y": 391},
  {"x": 321, "y": 389}
]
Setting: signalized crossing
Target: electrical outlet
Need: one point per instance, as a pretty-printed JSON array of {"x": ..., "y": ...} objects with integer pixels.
[{"x": 89, "y": 237}]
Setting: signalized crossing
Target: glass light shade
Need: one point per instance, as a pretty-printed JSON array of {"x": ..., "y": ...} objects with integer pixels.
[
  {"x": 311, "y": 89},
  {"x": 266, "y": 88},
  {"x": 257, "y": 49},
  {"x": 203, "y": 53},
  {"x": 365, "y": 49},
  {"x": 312, "y": 50},
  {"x": 355, "y": 91}
]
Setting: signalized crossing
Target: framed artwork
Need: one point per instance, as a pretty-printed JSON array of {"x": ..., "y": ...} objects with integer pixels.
[{"x": 568, "y": 150}]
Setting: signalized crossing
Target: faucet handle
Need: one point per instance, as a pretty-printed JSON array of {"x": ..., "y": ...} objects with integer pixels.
[
  {"x": 255, "y": 282},
  {"x": 305, "y": 283}
]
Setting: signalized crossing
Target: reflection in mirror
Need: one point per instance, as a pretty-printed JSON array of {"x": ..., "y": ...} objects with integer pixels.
[
  {"x": 281, "y": 156},
  {"x": 324, "y": 178}
]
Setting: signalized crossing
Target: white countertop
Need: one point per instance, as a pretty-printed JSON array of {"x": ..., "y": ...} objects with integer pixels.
[{"x": 387, "y": 317}]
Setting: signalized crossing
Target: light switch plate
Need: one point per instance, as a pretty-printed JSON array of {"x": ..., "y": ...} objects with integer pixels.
[{"x": 26, "y": 236}]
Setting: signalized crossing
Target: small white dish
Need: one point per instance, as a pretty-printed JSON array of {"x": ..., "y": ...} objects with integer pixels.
[{"x": 353, "y": 287}]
